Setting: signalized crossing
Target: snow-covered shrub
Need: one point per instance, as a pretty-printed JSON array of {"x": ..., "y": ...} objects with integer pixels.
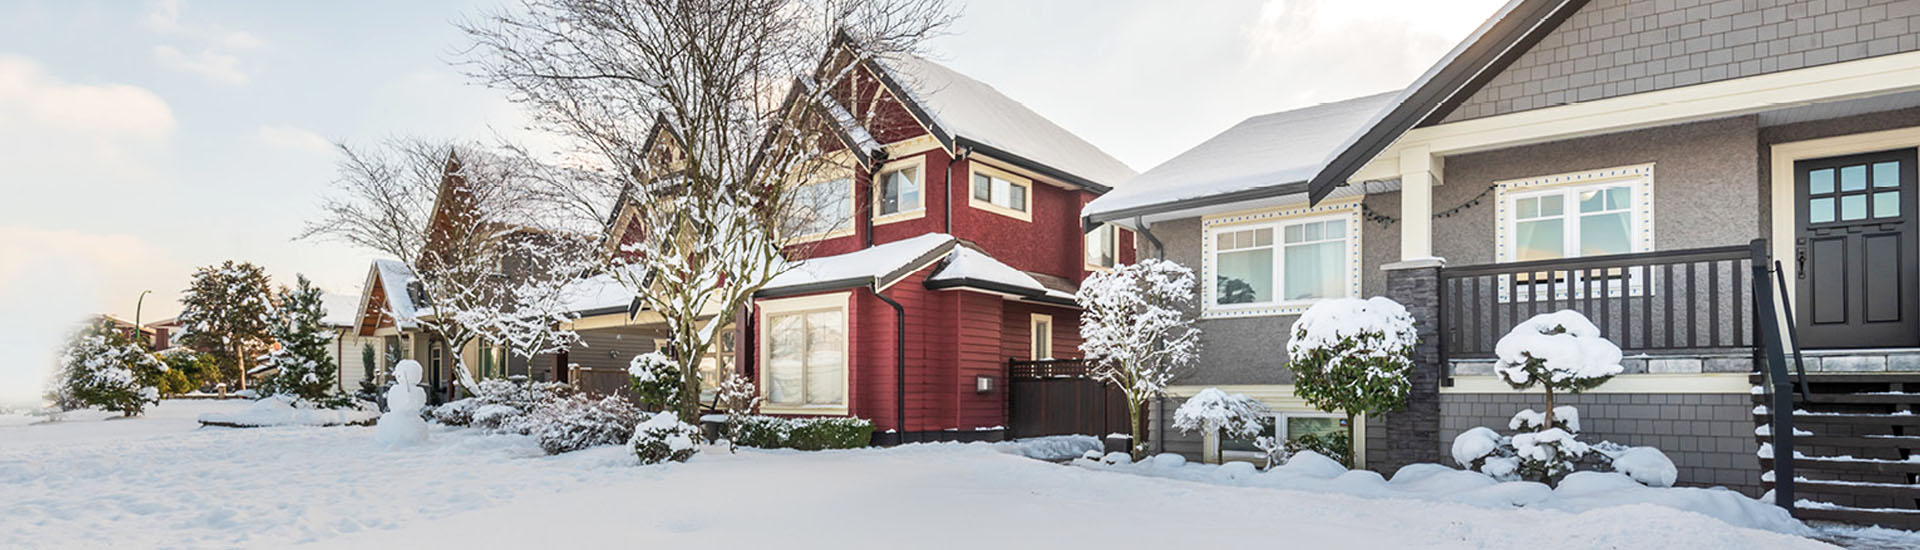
[
  {"x": 458, "y": 412},
  {"x": 1137, "y": 326},
  {"x": 1352, "y": 356},
  {"x": 1559, "y": 352},
  {"x": 663, "y": 437},
  {"x": 304, "y": 367},
  {"x": 806, "y": 434},
  {"x": 1235, "y": 415},
  {"x": 1547, "y": 455},
  {"x": 505, "y": 401},
  {"x": 741, "y": 399},
  {"x": 656, "y": 380},
  {"x": 102, "y": 367},
  {"x": 1646, "y": 465},
  {"x": 577, "y": 422}
]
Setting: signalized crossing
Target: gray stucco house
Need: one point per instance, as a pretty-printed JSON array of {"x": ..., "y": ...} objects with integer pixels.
[{"x": 1629, "y": 159}]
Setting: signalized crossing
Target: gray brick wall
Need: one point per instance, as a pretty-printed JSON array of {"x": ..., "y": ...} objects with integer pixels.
[
  {"x": 1619, "y": 47},
  {"x": 1413, "y": 433},
  {"x": 1708, "y": 436}
]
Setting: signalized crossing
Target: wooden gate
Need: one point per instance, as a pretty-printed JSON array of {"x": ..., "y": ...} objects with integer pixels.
[{"x": 1055, "y": 397}]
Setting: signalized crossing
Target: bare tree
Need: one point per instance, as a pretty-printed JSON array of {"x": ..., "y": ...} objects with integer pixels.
[
  {"x": 712, "y": 112},
  {"x": 466, "y": 221}
]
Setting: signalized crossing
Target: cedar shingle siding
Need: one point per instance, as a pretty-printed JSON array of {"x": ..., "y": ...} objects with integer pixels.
[{"x": 1613, "y": 48}]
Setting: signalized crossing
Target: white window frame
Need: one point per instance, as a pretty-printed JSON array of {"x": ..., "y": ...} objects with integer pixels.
[
  {"x": 1280, "y": 434},
  {"x": 805, "y": 304},
  {"x": 1277, "y": 221},
  {"x": 852, "y": 208},
  {"x": 1113, "y": 235},
  {"x": 975, "y": 168},
  {"x": 918, "y": 166},
  {"x": 1034, "y": 350},
  {"x": 1640, "y": 227}
]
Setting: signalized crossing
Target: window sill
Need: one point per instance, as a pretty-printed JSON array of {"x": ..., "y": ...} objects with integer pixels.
[
  {"x": 914, "y": 214},
  {"x": 1001, "y": 210},
  {"x": 818, "y": 237},
  {"x": 833, "y": 410}
]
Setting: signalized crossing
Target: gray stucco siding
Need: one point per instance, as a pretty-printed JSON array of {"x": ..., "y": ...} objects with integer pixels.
[
  {"x": 1252, "y": 350},
  {"x": 1704, "y": 184}
]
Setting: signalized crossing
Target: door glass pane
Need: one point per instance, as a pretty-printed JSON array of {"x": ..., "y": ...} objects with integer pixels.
[
  {"x": 1820, "y": 210},
  {"x": 1886, "y": 174},
  {"x": 1245, "y": 277},
  {"x": 1538, "y": 240},
  {"x": 1314, "y": 270},
  {"x": 785, "y": 357},
  {"x": 1820, "y": 181},
  {"x": 1853, "y": 207},
  {"x": 1853, "y": 178},
  {"x": 1886, "y": 204},
  {"x": 826, "y": 362},
  {"x": 1604, "y": 234}
]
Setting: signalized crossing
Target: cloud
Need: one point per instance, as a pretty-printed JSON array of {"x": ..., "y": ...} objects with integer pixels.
[
  {"x": 52, "y": 279},
  {"x": 31, "y": 100},
  {"x": 218, "y": 48},
  {"x": 289, "y": 137},
  {"x": 219, "y": 67}
]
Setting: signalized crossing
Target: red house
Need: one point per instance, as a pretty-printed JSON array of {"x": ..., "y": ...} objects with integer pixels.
[{"x": 955, "y": 246}]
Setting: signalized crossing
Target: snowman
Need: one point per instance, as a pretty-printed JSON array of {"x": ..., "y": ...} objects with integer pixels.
[{"x": 402, "y": 425}]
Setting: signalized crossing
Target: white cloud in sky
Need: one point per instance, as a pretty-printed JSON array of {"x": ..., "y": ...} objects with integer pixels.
[
  {"x": 298, "y": 139},
  {"x": 221, "y": 68},
  {"x": 32, "y": 100},
  {"x": 216, "y": 56}
]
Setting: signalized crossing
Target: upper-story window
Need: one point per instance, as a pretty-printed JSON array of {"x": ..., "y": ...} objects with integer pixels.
[
  {"x": 825, "y": 209},
  {"x": 1103, "y": 246},
  {"x": 899, "y": 192},
  {"x": 1001, "y": 192}
]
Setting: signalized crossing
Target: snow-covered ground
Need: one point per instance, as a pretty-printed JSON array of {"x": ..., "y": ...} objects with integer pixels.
[{"x": 160, "y": 481}]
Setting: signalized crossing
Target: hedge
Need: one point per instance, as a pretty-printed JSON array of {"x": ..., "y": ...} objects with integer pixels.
[{"x": 806, "y": 434}]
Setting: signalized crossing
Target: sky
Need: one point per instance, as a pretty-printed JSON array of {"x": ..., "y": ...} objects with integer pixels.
[{"x": 139, "y": 141}]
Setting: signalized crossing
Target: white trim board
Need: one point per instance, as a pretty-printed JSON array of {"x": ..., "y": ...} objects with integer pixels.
[{"x": 1625, "y": 383}]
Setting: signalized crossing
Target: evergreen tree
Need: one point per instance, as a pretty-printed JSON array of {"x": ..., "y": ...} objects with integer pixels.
[
  {"x": 303, "y": 367},
  {"x": 225, "y": 313},
  {"x": 367, "y": 384},
  {"x": 104, "y": 368}
]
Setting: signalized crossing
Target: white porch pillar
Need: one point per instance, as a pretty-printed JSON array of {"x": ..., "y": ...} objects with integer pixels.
[{"x": 1419, "y": 172}]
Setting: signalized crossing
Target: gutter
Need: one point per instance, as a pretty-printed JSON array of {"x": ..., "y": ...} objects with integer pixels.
[
  {"x": 1029, "y": 164},
  {"x": 1199, "y": 202},
  {"x": 819, "y": 286},
  {"x": 899, "y": 364}
]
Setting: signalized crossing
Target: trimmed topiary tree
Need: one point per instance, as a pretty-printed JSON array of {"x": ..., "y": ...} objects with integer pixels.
[
  {"x": 1352, "y": 356},
  {"x": 1559, "y": 352}
]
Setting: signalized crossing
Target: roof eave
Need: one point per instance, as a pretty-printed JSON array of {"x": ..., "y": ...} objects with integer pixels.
[
  {"x": 1262, "y": 192},
  {"x": 1031, "y": 164}
]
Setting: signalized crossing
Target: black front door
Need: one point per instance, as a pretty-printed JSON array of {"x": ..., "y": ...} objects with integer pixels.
[{"x": 1854, "y": 254}]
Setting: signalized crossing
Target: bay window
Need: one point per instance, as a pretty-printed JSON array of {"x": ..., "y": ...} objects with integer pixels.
[{"x": 804, "y": 353}]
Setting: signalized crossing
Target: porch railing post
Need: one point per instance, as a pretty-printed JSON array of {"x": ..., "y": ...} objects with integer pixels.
[{"x": 1777, "y": 379}]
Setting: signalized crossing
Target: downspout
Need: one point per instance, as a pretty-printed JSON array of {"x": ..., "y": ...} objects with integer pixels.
[
  {"x": 899, "y": 364},
  {"x": 959, "y": 154},
  {"x": 1159, "y": 250}
]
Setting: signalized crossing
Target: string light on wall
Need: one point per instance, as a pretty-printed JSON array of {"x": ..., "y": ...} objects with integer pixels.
[{"x": 1370, "y": 215}]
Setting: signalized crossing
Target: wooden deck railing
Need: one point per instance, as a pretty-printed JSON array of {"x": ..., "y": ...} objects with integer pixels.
[{"x": 1667, "y": 301}]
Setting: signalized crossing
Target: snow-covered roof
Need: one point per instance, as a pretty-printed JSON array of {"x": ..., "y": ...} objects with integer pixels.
[
  {"x": 396, "y": 278},
  {"x": 598, "y": 293},
  {"x": 1282, "y": 148},
  {"x": 972, "y": 110},
  {"x": 967, "y": 266},
  {"x": 860, "y": 267}
]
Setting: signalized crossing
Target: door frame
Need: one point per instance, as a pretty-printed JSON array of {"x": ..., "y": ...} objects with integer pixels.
[{"x": 1784, "y": 224}]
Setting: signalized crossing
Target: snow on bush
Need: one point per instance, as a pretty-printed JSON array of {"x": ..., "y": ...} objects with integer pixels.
[
  {"x": 1646, "y": 465},
  {"x": 505, "y": 401},
  {"x": 1353, "y": 356},
  {"x": 1211, "y": 409},
  {"x": 1529, "y": 420},
  {"x": 1559, "y": 352},
  {"x": 1547, "y": 454},
  {"x": 806, "y": 434},
  {"x": 1578, "y": 492},
  {"x": 656, "y": 380},
  {"x": 103, "y": 368},
  {"x": 577, "y": 422},
  {"x": 1137, "y": 326},
  {"x": 663, "y": 437},
  {"x": 288, "y": 410},
  {"x": 741, "y": 398},
  {"x": 402, "y": 424}
]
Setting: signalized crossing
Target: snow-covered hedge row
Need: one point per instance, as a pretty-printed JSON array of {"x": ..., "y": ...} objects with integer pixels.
[
  {"x": 806, "y": 434},
  {"x": 1578, "y": 492},
  {"x": 497, "y": 404}
]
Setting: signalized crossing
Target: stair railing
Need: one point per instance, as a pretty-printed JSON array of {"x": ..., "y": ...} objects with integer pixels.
[
  {"x": 1779, "y": 384},
  {"x": 1792, "y": 331}
]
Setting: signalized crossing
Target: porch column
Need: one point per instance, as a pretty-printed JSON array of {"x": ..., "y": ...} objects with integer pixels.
[
  {"x": 1413, "y": 434},
  {"x": 1419, "y": 172}
]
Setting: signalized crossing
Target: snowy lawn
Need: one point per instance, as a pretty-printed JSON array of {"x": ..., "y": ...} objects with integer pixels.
[{"x": 160, "y": 481}]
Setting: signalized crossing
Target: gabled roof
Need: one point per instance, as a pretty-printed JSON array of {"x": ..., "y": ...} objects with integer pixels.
[
  {"x": 967, "y": 267},
  {"x": 1502, "y": 38},
  {"x": 395, "y": 279},
  {"x": 340, "y": 310},
  {"x": 1271, "y": 154},
  {"x": 963, "y": 112}
]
